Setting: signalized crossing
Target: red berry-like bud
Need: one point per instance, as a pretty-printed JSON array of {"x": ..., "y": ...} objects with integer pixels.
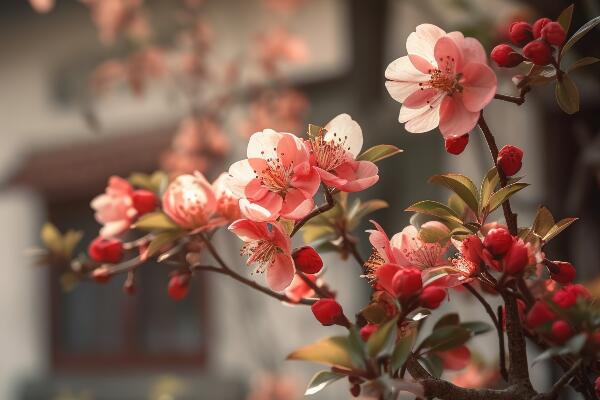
[
  {"x": 538, "y": 52},
  {"x": 564, "y": 273},
  {"x": 144, "y": 201},
  {"x": 328, "y": 312},
  {"x": 471, "y": 248},
  {"x": 367, "y": 330},
  {"x": 539, "y": 314},
  {"x": 498, "y": 241},
  {"x": 538, "y": 26},
  {"x": 510, "y": 159},
  {"x": 101, "y": 274},
  {"x": 355, "y": 390},
  {"x": 407, "y": 282},
  {"x": 106, "y": 250},
  {"x": 456, "y": 145},
  {"x": 432, "y": 296},
  {"x": 565, "y": 298},
  {"x": 520, "y": 33},
  {"x": 561, "y": 331},
  {"x": 179, "y": 286},
  {"x": 505, "y": 56},
  {"x": 517, "y": 258},
  {"x": 554, "y": 33},
  {"x": 307, "y": 260},
  {"x": 579, "y": 291}
]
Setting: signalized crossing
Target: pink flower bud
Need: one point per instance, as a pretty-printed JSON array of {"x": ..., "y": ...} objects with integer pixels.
[
  {"x": 432, "y": 296},
  {"x": 179, "y": 286},
  {"x": 554, "y": 33},
  {"x": 561, "y": 331},
  {"x": 144, "y": 201},
  {"x": 517, "y": 258},
  {"x": 538, "y": 52},
  {"x": 456, "y": 358},
  {"x": 307, "y": 260},
  {"x": 106, "y": 250},
  {"x": 538, "y": 26},
  {"x": 505, "y": 56},
  {"x": 520, "y": 33},
  {"x": 565, "y": 272},
  {"x": 539, "y": 314},
  {"x": 510, "y": 159},
  {"x": 328, "y": 312},
  {"x": 407, "y": 283},
  {"x": 367, "y": 330},
  {"x": 565, "y": 298},
  {"x": 498, "y": 241},
  {"x": 456, "y": 145},
  {"x": 471, "y": 248}
]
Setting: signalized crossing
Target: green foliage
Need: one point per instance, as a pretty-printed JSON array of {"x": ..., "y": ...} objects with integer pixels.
[
  {"x": 379, "y": 152},
  {"x": 381, "y": 343},
  {"x": 462, "y": 186},
  {"x": 156, "y": 221},
  {"x": 161, "y": 240},
  {"x": 435, "y": 209},
  {"x": 565, "y": 17},
  {"x": 60, "y": 245},
  {"x": 320, "y": 381},
  {"x": 581, "y": 32},
  {"x": 403, "y": 348},
  {"x": 156, "y": 182},
  {"x": 502, "y": 195},
  {"x": 332, "y": 351},
  {"x": 545, "y": 227},
  {"x": 567, "y": 95}
]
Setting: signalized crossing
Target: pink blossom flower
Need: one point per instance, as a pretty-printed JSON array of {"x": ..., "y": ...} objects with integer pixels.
[
  {"x": 42, "y": 6},
  {"x": 227, "y": 202},
  {"x": 334, "y": 153},
  {"x": 299, "y": 289},
  {"x": 113, "y": 17},
  {"x": 276, "y": 179},
  {"x": 114, "y": 208},
  {"x": 278, "y": 46},
  {"x": 476, "y": 376},
  {"x": 267, "y": 246},
  {"x": 444, "y": 80},
  {"x": 190, "y": 202},
  {"x": 456, "y": 358}
]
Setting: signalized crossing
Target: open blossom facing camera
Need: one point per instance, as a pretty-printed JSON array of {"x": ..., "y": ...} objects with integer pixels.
[
  {"x": 443, "y": 81},
  {"x": 114, "y": 208},
  {"x": 190, "y": 202},
  {"x": 334, "y": 153},
  {"x": 267, "y": 246},
  {"x": 276, "y": 179}
]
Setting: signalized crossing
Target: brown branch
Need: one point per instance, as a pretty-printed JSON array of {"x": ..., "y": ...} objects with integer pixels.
[
  {"x": 319, "y": 210},
  {"x": 511, "y": 99},
  {"x": 313, "y": 285},
  {"x": 502, "y": 352}
]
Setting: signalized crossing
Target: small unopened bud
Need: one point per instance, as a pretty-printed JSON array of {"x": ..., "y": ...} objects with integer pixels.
[
  {"x": 367, "y": 330},
  {"x": 432, "y": 296},
  {"x": 329, "y": 312},
  {"x": 539, "y": 314},
  {"x": 307, "y": 260},
  {"x": 456, "y": 145},
  {"x": 505, "y": 56},
  {"x": 407, "y": 283},
  {"x": 520, "y": 33},
  {"x": 498, "y": 241},
  {"x": 554, "y": 33},
  {"x": 538, "y": 26},
  {"x": 355, "y": 390},
  {"x": 106, "y": 250},
  {"x": 517, "y": 258},
  {"x": 562, "y": 272},
  {"x": 179, "y": 286},
  {"x": 510, "y": 159},
  {"x": 538, "y": 52},
  {"x": 561, "y": 331},
  {"x": 101, "y": 274},
  {"x": 144, "y": 201},
  {"x": 565, "y": 298}
]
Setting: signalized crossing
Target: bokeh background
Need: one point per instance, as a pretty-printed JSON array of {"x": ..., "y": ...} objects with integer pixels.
[{"x": 61, "y": 139}]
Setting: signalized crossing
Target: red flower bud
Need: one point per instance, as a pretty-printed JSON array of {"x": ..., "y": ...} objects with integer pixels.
[
  {"x": 144, "y": 201},
  {"x": 517, "y": 258},
  {"x": 539, "y": 314},
  {"x": 472, "y": 248},
  {"x": 553, "y": 33},
  {"x": 307, "y": 260},
  {"x": 510, "y": 159},
  {"x": 407, "y": 283},
  {"x": 505, "y": 56},
  {"x": 498, "y": 241},
  {"x": 328, "y": 312},
  {"x": 520, "y": 33},
  {"x": 367, "y": 330},
  {"x": 565, "y": 298},
  {"x": 432, "y": 296},
  {"x": 179, "y": 286},
  {"x": 456, "y": 145},
  {"x": 355, "y": 390},
  {"x": 561, "y": 331},
  {"x": 538, "y": 52},
  {"x": 538, "y": 26},
  {"x": 564, "y": 273},
  {"x": 106, "y": 250},
  {"x": 456, "y": 358},
  {"x": 579, "y": 291},
  {"x": 101, "y": 274}
]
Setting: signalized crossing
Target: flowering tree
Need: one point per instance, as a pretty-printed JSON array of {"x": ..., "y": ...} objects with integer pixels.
[{"x": 266, "y": 199}]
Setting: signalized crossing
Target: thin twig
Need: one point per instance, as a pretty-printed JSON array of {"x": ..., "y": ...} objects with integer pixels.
[
  {"x": 511, "y": 99},
  {"x": 502, "y": 348},
  {"x": 313, "y": 285},
  {"x": 319, "y": 210}
]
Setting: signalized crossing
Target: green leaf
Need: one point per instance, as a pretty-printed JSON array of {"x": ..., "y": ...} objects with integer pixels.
[
  {"x": 446, "y": 338},
  {"x": 403, "y": 348},
  {"x": 321, "y": 380},
  {"x": 156, "y": 182},
  {"x": 433, "y": 235},
  {"x": 52, "y": 238},
  {"x": 567, "y": 95},
  {"x": 155, "y": 221},
  {"x": 582, "y": 62},
  {"x": 580, "y": 33},
  {"x": 374, "y": 313},
  {"x": 488, "y": 185},
  {"x": 558, "y": 228},
  {"x": 461, "y": 185},
  {"x": 504, "y": 194},
  {"x": 565, "y": 17},
  {"x": 381, "y": 342},
  {"x": 356, "y": 214},
  {"x": 435, "y": 209},
  {"x": 333, "y": 351},
  {"x": 434, "y": 365},
  {"x": 316, "y": 233},
  {"x": 447, "y": 320},
  {"x": 477, "y": 327},
  {"x": 357, "y": 348},
  {"x": 379, "y": 152},
  {"x": 161, "y": 240},
  {"x": 543, "y": 221},
  {"x": 315, "y": 130}
]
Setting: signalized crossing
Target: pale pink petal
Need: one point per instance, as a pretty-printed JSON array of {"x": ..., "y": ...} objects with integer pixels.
[
  {"x": 420, "y": 98},
  {"x": 473, "y": 51},
  {"x": 358, "y": 174},
  {"x": 401, "y": 90},
  {"x": 255, "y": 190},
  {"x": 114, "y": 228},
  {"x": 385, "y": 274},
  {"x": 280, "y": 238},
  {"x": 267, "y": 210},
  {"x": 402, "y": 70},
  {"x": 380, "y": 241},
  {"x": 448, "y": 55},
  {"x": 330, "y": 179},
  {"x": 479, "y": 86},
  {"x": 287, "y": 148},
  {"x": 308, "y": 184},
  {"x": 296, "y": 205},
  {"x": 119, "y": 185},
  {"x": 422, "y": 41},
  {"x": 298, "y": 289},
  {"x": 344, "y": 128},
  {"x": 424, "y": 119},
  {"x": 241, "y": 174},
  {"x": 263, "y": 144},
  {"x": 455, "y": 119},
  {"x": 248, "y": 230},
  {"x": 421, "y": 64},
  {"x": 280, "y": 272}
]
